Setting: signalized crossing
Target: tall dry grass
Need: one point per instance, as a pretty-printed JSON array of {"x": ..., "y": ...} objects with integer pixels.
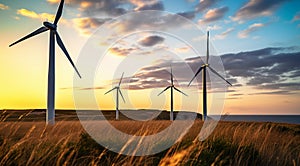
[{"x": 231, "y": 143}]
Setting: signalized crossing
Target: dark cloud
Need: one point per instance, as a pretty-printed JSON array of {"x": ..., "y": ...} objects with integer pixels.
[
  {"x": 154, "y": 20},
  {"x": 205, "y": 4},
  {"x": 86, "y": 25},
  {"x": 101, "y": 11},
  {"x": 280, "y": 92},
  {"x": 287, "y": 86},
  {"x": 93, "y": 88},
  {"x": 158, "y": 75},
  {"x": 110, "y": 7},
  {"x": 189, "y": 15},
  {"x": 271, "y": 70},
  {"x": 257, "y": 8},
  {"x": 236, "y": 94},
  {"x": 121, "y": 51},
  {"x": 268, "y": 68},
  {"x": 151, "y": 41},
  {"x": 214, "y": 15}
]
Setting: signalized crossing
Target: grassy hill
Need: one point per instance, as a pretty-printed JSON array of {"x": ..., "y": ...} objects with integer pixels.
[
  {"x": 231, "y": 143},
  {"x": 70, "y": 115}
]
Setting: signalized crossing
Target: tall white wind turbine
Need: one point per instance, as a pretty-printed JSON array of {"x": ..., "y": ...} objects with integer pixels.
[
  {"x": 50, "y": 115},
  {"x": 117, "y": 96},
  {"x": 172, "y": 87},
  {"x": 204, "y": 68}
]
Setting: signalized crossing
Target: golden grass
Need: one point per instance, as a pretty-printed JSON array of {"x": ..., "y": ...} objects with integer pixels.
[{"x": 231, "y": 143}]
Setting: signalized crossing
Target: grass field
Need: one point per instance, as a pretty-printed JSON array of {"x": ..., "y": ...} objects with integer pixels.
[{"x": 232, "y": 143}]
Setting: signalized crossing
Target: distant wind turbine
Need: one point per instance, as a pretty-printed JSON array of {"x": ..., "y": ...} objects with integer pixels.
[
  {"x": 203, "y": 67},
  {"x": 117, "y": 96},
  {"x": 50, "y": 116},
  {"x": 172, "y": 87}
]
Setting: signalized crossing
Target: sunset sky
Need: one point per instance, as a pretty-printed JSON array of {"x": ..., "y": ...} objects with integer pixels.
[{"x": 257, "y": 41}]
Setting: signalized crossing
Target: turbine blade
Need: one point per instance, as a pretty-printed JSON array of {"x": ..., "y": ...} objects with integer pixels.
[
  {"x": 121, "y": 79},
  {"x": 207, "y": 48},
  {"x": 121, "y": 95},
  {"x": 36, "y": 32},
  {"x": 59, "y": 12},
  {"x": 195, "y": 75},
  {"x": 61, "y": 45},
  {"x": 164, "y": 90},
  {"x": 180, "y": 91},
  {"x": 110, "y": 90},
  {"x": 219, "y": 75}
]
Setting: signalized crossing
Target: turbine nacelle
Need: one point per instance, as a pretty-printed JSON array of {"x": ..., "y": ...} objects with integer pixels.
[
  {"x": 50, "y": 25},
  {"x": 205, "y": 65}
]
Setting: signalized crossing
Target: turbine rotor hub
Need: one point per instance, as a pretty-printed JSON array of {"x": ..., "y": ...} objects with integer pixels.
[{"x": 50, "y": 25}]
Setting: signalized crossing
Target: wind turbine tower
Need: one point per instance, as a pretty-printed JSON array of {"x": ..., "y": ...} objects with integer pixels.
[
  {"x": 204, "y": 68},
  {"x": 172, "y": 87},
  {"x": 50, "y": 115},
  {"x": 117, "y": 96}
]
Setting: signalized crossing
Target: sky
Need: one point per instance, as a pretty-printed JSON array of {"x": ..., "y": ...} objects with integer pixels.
[{"x": 254, "y": 44}]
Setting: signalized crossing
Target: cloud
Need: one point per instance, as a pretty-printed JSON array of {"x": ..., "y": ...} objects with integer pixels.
[
  {"x": 150, "y": 77},
  {"x": 85, "y": 4},
  {"x": 252, "y": 28},
  {"x": 151, "y": 41},
  {"x": 296, "y": 17},
  {"x": 257, "y": 8},
  {"x": 34, "y": 15},
  {"x": 189, "y": 15},
  {"x": 151, "y": 5},
  {"x": 269, "y": 70},
  {"x": 155, "y": 20},
  {"x": 158, "y": 75},
  {"x": 214, "y": 15},
  {"x": 140, "y": 3},
  {"x": 87, "y": 25},
  {"x": 278, "y": 92},
  {"x": 224, "y": 34},
  {"x": 272, "y": 69},
  {"x": 93, "y": 88},
  {"x": 214, "y": 27},
  {"x": 3, "y": 7},
  {"x": 27, "y": 13},
  {"x": 205, "y": 4},
  {"x": 53, "y": 1},
  {"x": 182, "y": 49},
  {"x": 121, "y": 51},
  {"x": 109, "y": 8}
]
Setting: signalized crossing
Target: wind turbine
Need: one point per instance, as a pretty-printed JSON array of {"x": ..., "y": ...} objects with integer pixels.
[
  {"x": 50, "y": 116},
  {"x": 117, "y": 96},
  {"x": 204, "y": 68},
  {"x": 172, "y": 87}
]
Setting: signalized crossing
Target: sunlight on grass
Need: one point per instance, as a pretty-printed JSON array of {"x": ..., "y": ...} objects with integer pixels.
[{"x": 232, "y": 143}]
